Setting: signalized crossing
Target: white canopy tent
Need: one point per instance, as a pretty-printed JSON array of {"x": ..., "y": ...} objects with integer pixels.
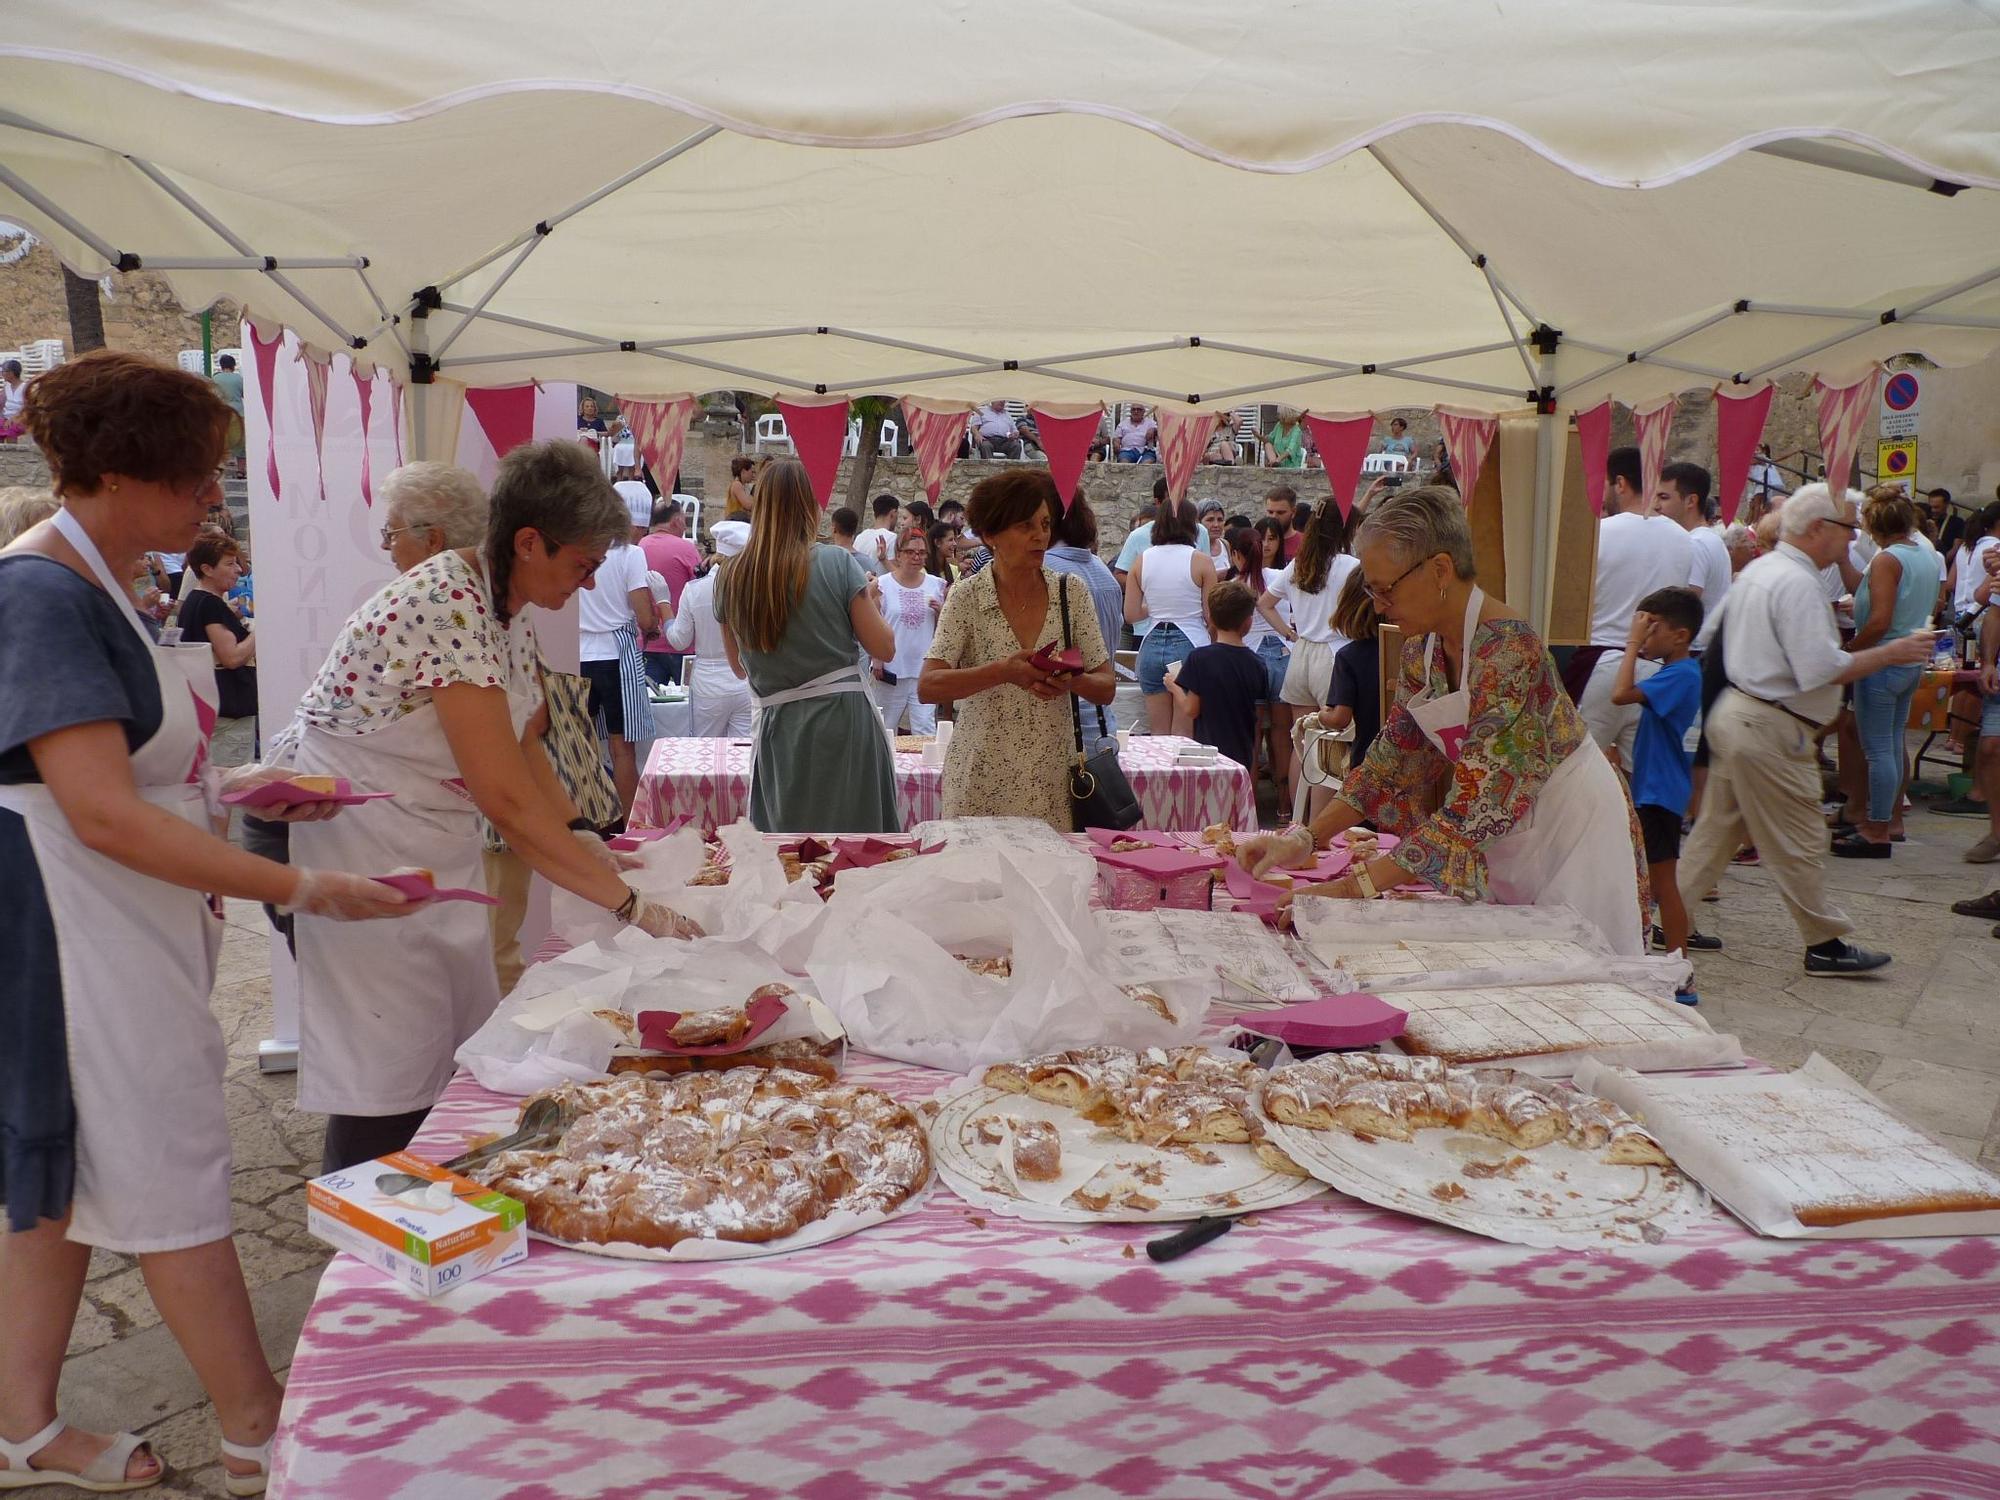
[{"x": 1344, "y": 206}]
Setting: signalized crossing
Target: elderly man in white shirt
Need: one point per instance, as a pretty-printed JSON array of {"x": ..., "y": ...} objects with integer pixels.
[
  {"x": 1785, "y": 665},
  {"x": 996, "y": 432}
]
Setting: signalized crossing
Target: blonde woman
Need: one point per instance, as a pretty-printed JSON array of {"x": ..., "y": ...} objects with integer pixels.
[
  {"x": 796, "y": 616},
  {"x": 23, "y": 507}
]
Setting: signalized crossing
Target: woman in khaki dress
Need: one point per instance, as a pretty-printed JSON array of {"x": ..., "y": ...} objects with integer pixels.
[{"x": 1013, "y": 743}]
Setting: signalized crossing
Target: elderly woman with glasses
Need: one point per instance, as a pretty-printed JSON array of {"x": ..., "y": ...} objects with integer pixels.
[
  {"x": 428, "y": 508},
  {"x": 1528, "y": 810}
]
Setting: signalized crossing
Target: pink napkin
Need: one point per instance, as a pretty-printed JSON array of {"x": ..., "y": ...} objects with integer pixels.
[
  {"x": 291, "y": 794},
  {"x": 420, "y": 888},
  {"x": 862, "y": 853},
  {"x": 1162, "y": 863},
  {"x": 1104, "y": 838},
  {"x": 633, "y": 838},
  {"x": 1350, "y": 1020},
  {"x": 656, "y": 1028}
]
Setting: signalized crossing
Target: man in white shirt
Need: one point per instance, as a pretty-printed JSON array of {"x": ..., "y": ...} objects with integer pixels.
[
  {"x": 1637, "y": 553},
  {"x": 996, "y": 432},
  {"x": 1683, "y": 499},
  {"x": 876, "y": 547},
  {"x": 1782, "y": 652},
  {"x": 613, "y": 612},
  {"x": 638, "y": 499}
]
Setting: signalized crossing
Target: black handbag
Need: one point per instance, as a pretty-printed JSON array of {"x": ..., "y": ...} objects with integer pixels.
[{"x": 1099, "y": 794}]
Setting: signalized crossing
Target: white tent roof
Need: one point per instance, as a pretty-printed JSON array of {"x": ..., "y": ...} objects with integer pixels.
[{"x": 905, "y": 197}]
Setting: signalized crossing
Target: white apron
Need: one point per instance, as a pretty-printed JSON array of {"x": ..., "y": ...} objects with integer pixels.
[
  {"x": 146, "y": 1057},
  {"x": 826, "y": 685},
  {"x": 1574, "y": 845},
  {"x": 382, "y": 1009}
]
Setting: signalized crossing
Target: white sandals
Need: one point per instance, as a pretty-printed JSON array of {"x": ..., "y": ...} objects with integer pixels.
[
  {"x": 104, "y": 1474},
  {"x": 256, "y": 1453}
]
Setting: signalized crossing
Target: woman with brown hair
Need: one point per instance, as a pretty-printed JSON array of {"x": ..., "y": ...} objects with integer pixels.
[
  {"x": 1310, "y": 583},
  {"x": 740, "y": 500},
  {"x": 215, "y": 563},
  {"x": 113, "y": 1131},
  {"x": 1014, "y": 740},
  {"x": 796, "y": 616}
]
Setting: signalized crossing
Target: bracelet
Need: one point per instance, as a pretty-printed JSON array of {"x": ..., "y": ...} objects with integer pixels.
[
  {"x": 625, "y": 910},
  {"x": 1364, "y": 882},
  {"x": 581, "y": 825}
]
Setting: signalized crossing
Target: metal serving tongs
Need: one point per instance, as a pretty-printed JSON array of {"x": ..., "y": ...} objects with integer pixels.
[
  {"x": 1193, "y": 1235},
  {"x": 542, "y": 1122}
]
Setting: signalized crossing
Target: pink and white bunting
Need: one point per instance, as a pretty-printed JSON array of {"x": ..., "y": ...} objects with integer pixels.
[
  {"x": 1842, "y": 410},
  {"x": 265, "y": 353},
  {"x": 1652, "y": 425},
  {"x": 364, "y": 394},
  {"x": 1593, "y": 441},
  {"x": 1066, "y": 433},
  {"x": 1468, "y": 438},
  {"x": 659, "y": 429},
  {"x": 1184, "y": 438},
  {"x": 1739, "y": 426},
  {"x": 936, "y": 430},
  {"x": 818, "y": 428},
  {"x": 317, "y": 368},
  {"x": 1342, "y": 439},
  {"x": 505, "y": 413}
]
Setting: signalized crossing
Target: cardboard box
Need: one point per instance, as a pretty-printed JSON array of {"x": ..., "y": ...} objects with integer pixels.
[{"x": 431, "y": 1238}]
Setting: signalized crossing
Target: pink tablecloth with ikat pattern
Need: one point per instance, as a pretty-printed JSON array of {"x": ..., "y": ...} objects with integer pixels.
[
  {"x": 1328, "y": 1349},
  {"x": 709, "y": 780}
]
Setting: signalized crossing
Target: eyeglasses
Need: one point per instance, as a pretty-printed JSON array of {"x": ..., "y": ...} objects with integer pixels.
[
  {"x": 390, "y": 533},
  {"x": 1383, "y": 595},
  {"x": 1853, "y": 526}
]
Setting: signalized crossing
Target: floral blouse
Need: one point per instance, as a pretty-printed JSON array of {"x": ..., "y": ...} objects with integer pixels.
[
  {"x": 429, "y": 628},
  {"x": 1520, "y": 726}
]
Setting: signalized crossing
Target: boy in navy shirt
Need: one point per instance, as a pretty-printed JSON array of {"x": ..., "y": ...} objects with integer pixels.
[
  {"x": 1217, "y": 690},
  {"x": 1663, "y": 627}
]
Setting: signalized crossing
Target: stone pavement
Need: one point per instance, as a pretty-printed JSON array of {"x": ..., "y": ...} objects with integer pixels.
[{"x": 1925, "y": 1035}]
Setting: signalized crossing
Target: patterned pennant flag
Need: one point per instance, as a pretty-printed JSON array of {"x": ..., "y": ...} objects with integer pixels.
[
  {"x": 1184, "y": 438},
  {"x": 1739, "y": 427},
  {"x": 818, "y": 428},
  {"x": 1593, "y": 438},
  {"x": 1842, "y": 410},
  {"x": 264, "y": 352},
  {"x": 659, "y": 429},
  {"x": 936, "y": 429},
  {"x": 364, "y": 392},
  {"x": 1342, "y": 440},
  {"x": 1468, "y": 438},
  {"x": 1653, "y": 424},
  {"x": 1066, "y": 433},
  {"x": 317, "y": 367}
]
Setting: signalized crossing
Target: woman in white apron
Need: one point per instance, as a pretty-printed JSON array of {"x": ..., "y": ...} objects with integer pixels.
[
  {"x": 1532, "y": 814},
  {"x": 113, "y": 1131},
  {"x": 427, "y": 694},
  {"x": 796, "y": 617},
  {"x": 718, "y": 697}
]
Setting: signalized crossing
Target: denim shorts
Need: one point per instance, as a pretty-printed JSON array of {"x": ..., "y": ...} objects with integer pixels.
[
  {"x": 1164, "y": 645},
  {"x": 1271, "y": 651}
]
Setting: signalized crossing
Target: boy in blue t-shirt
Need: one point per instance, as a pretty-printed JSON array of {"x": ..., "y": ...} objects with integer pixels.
[{"x": 1663, "y": 627}]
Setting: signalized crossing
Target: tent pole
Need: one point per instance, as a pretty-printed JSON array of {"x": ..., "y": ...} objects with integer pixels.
[
  {"x": 1513, "y": 333},
  {"x": 1948, "y": 320},
  {"x": 894, "y": 382},
  {"x": 1465, "y": 245},
  {"x": 389, "y": 320},
  {"x": 14, "y": 180},
  {"x": 1638, "y": 356},
  {"x": 887, "y": 342},
  {"x": 1542, "y": 529},
  {"x": 1651, "y": 359},
  {"x": 1875, "y": 320},
  {"x": 420, "y": 396}
]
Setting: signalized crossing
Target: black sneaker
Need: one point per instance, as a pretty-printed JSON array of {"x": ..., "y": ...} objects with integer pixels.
[
  {"x": 1698, "y": 942},
  {"x": 1839, "y": 959},
  {"x": 1960, "y": 807}
]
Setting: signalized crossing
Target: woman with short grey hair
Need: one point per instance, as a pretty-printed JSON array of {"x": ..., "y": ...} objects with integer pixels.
[
  {"x": 428, "y": 508},
  {"x": 432, "y": 692},
  {"x": 1529, "y": 812}
]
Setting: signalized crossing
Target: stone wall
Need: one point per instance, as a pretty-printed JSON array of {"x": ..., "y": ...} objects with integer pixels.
[
  {"x": 21, "y": 463},
  {"x": 140, "y": 310}
]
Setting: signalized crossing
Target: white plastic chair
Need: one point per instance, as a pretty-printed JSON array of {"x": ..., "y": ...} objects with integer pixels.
[
  {"x": 41, "y": 356},
  {"x": 851, "y": 444},
  {"x": 771, "y": 433},
  {"x": 889, "y": 439},
  {"x": 1386, "y": 463}
]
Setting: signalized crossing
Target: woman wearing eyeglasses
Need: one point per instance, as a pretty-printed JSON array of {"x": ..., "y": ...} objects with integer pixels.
[
  {"x": 1531, "y": 812},
  {"x": 911, "y": 601}
]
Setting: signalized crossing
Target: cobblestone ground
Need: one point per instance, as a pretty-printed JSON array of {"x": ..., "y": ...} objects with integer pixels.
[{"x": 1925, "y": 1035}]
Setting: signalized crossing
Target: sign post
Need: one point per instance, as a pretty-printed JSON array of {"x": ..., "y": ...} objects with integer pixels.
[
  {"x": 1901, "y": 394},
  {"x": 1896, "y": 463}
]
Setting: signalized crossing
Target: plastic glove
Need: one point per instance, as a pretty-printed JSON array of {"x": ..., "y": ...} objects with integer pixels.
[
  {"x": 1268, "y": 851},
  {"x": 656, "y": 920},
  {"x": 346, "y": 898},
  {"x": 604, "y": 853}
]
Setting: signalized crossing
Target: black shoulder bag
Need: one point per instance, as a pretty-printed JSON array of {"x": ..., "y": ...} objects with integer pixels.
[{"x": 1099, "y": 794}]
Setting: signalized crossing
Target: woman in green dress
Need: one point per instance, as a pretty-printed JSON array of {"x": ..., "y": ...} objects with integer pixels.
[{"x": 796, "y": 616}]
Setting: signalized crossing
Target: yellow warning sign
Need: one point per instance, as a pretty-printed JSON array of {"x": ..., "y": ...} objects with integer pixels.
[{"x": 1896, "y": 463}]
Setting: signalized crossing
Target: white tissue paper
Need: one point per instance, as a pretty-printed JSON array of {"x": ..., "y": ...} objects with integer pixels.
[{"x": 886, "y": 961}]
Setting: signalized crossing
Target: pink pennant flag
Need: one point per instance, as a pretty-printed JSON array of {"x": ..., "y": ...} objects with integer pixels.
[
  {"x": 364, "y": 392},
  {"x": 1593, "y": 438},
  {"x": 1842, "y": 409},
  {"x": 505, "y": 413},
  {"x": 317, "y": 370},
  {"x": 265, "y": 353},
  {"x": 659, "y": 428},
  {"x": 936, "y": 429},
  {"x": 1342, "y": 441},
  {"x": 1653, "y": 424},
  {"x": 1184, "y": 438},
  {"x": 1066, "y": 433},
  {"x": 1739, "y": 427},
  {"x": 396, "y": 415},
  {"x": 1468, "y": 438},
  {"x": 818, "y": 426}
]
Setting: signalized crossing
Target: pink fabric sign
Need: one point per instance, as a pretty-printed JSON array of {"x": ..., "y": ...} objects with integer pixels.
[
  {"x": 1343, "y": 443},
  {"x": 659, "y": 428},
  {"x": 935, "y": 433},
  {"x": 1653, "y": 425},
  {"x": 1066, "y": 438},
  {"x": 1593, "y": 438},
  {"x": 265, "y": 352},
  {"x": 1842, "y": 409},
  {"x": 364, "y": 393},
  {"x": 1184, "y": 438},
  {"x": 505, "y": 413},
  {"x": 818, "y": 427},
  {"x": 1739, "y": 427},
  {"x": 1468, "y": 437}
]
